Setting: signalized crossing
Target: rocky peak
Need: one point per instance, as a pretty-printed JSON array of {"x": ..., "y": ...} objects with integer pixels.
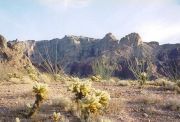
[
  {"x": 110, "y": 37},
  {"x": 3, "y": 42},
  {"x": 132, "y": 39},
  {"x": 72, "y": 39},
  {"x": 153, "y": 44}
]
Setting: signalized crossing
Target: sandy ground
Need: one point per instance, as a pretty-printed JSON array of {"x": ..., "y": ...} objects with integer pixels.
[{"x": 125, "y": 104}]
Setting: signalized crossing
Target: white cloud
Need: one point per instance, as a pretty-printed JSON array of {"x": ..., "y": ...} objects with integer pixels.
[
  {"x": 144, "y": 1},
  {"x": 65, "y": 4},
  {"x": 159, "y": 32}
]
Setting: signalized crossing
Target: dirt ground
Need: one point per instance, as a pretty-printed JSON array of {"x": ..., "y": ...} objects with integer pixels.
[{"x": 128, "y": 103}]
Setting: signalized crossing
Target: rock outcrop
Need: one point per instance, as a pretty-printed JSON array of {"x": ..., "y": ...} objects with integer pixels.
[
  {"x": 12, "y": 54},
  {"x": 132, "y": 39},
  {"x": 3, "y": 42}
]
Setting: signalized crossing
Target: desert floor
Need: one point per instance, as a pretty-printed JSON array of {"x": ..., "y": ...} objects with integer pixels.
[{"x": 128, "y": 103}]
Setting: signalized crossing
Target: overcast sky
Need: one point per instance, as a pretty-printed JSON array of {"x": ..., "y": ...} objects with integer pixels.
[{"x": 154, "y": 20}]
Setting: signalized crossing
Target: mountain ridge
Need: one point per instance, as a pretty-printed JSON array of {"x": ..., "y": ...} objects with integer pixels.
[{"x": 76, "y": 54}]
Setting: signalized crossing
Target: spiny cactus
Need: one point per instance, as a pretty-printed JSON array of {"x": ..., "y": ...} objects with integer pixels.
[
  {"x": 56, "y": 117},
  {"x": 94, "y": 103},
  {"x": 81, "y": 89},
  {"x": 142, "y": 78},
  {"x": 41, "y": 92},
  {"x": 103, "y": 96},
  {"x": 89, "y": 100}
]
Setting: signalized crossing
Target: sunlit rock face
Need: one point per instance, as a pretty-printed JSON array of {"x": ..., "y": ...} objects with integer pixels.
[
  {"x": 76, "y": 54},
  {"x": 132, "y": 39},
  {"x": 3, "y": 42},
  {"x": 13, "y": 57}
]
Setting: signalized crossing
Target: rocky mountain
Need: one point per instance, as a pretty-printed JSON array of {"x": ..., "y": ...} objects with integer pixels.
[{"x": 77, "y": 54}]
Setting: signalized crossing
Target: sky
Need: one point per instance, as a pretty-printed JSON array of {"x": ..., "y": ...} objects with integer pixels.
[{"x": 154, "y": 20}]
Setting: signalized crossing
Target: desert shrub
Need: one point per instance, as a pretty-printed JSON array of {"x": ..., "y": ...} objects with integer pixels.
[
  {"x": 14, "y": 75},
  {"x": 96, "y": 78},
  {"x": 57, "y": 117},
  {"x": 116, "y": 106},
  {"x": 63, "y": 102},
  {"x": 168, "y": 85},
  {"x": 26, "y": 80},
  {"x": 163, "y": 82},
  {"x": 90, "y": 102},
  {"x": 104, "y": 68},
  {"x": 173, "y": 104},
  {"x": 43, "y": 77},
  {"x": 4, "y": 70},
  {"x": 41, "y": 92},
  {"x": 32, "y": 72},
  {"x": 30, "y": 69},
  {"x": 178, "y": 83},
  {"x": 61, "y": 78},
  {"x": 33, "y": 77},
  {"x": 142, "y": 78},
  {"x": 151, "y": 110},
  {"x": 149, "y": 99},
  {"x": 123, "y": 83}
]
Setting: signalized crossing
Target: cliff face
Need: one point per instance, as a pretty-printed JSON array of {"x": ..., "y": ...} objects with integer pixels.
[{"x": 76, "y": 54}]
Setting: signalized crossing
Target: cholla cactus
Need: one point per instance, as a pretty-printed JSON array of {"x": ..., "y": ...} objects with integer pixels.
[
  {"x": 94, "y": 103},
  {"x": 41, "y": 92},
  {"x": 142, "y": 78},
  {"x": 56, "y": 117},
  {"x": 89, "y": 106},
  {"x": 104, "y": 97},
  {"x": 89, "y": 100},
  {"x": 81, "y": 89}
]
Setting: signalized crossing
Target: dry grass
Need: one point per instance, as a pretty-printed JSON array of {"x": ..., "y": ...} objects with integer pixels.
[
  {"x": 127, "y": 103},
  {"x": 149, "y": 99},
  {"x": 4, "y": 71},
  {"x": 45, "y": 78},
  {"x": 173, "y": 104},
  {"x": 123, "y": 83},
  {"x": 103, "y": 119},
  {"x": 151, "y": 110},
  {"x": 115, "y": 107},
  {"x": 62, "y": 102},
  {"x": 164, "y": 82}
]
